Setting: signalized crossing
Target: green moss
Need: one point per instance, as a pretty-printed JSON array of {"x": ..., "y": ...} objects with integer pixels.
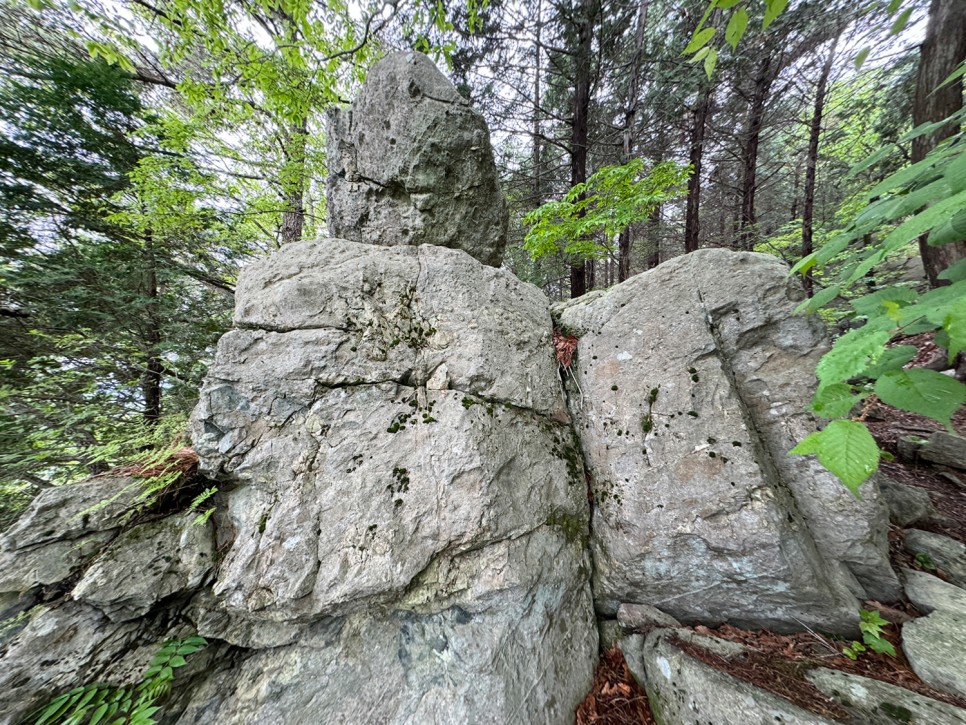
[{"x": 572, "y": 527}]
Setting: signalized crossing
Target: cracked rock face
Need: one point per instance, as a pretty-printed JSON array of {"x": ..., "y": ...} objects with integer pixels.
[
  {"x": 693, "y": 379},
  {"x": 411, "y": 163},
  {"x": 389, "y": 422}
]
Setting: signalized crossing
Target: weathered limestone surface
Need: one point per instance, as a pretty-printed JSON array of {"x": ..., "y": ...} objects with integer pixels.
[
  {"x": 871, "y": 702},
  {"x": 684, "y": 691},
  {"x": 934, "y": 646},
  {"x": 948, "y": 554},
  {"x": 61, "y": 530},
  {"x": 411, "y": 163},
  {"x": 907, "y": 504},
  {"x": 146, "y": 564},
  {"x": 390, "y": 421},
  {"x": 929, "y": 593},
  {"x": 693, "y": 378}
]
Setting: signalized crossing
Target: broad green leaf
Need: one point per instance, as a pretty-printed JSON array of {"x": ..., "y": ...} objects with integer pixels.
[
  {"x": 772, "y": 11},
  {"x": 951, "y": 78},
  {"x": 955, "y": 171},
  {"x": 727, "y": 4},
  {"x": 736, "y": 27},
  {"x": 804, "y": 264},
  {"x": 848, "y": 450},
  {"x": 923, "y": 222},
  {"x": 893, "y": 6},
  {"x": 900, "y": 23},
  {"x": 892, "y": 359},
  {"x": 872, "y": 159},
  {"x": 852, "y": 354},
  {"x": 881, "y": 645},
  {"x": 808, "y": 446},
  {"x": 98, "y": 714},
  {"x": 823, "y": 297},
  {"x": 926, "y": 392},
  {"x": 871, "y": 304},
  {"x": 922, "y": 129},
  {"x": 835, "y": 401},
  {"x": 950, "y": 231},
  {"x": 699, "y": 40},
  {"x": 955, "y": 326},
  {"x": 860, "y": 58},
  {"x": 710, "y": 61},
  {"x": 955, "y": 273}
]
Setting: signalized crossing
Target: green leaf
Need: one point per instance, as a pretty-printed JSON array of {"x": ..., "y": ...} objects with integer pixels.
[
  {"x": 808, "y": 446},
  {"x": 860, "y": 58},
  {"x": 955, "y": 326},
  {"x": 872, "y": 304},
  {"x": 892, "y": 359},
  {"x": 872, "y": 159},
  {"x": 835, "y": 401},
  {"x": 923, "y": 222},
  {"x": 98, "y": 714},
  {"x": 951, "y": 78},
  {"x": 900, "y": 23},
  {"x": 823, "y": 297},
  {"x": 699, "y": 40},
  {"x": 736, "y": 27},
  {"x": 773, "y": 10},
  {"x": 949, "y": 232},
  {"x": 852, "y": 354},
  {"x": 848, "y": 450},
  {"x": 893, "y": 6},
  {"x": 926, "y": 392},
  {"x": 710, "y": 61},
  {"x": 881, "y": 645}
]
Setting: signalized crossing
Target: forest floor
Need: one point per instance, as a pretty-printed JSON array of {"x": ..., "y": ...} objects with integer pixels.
[{"x": 778, "y": 663}]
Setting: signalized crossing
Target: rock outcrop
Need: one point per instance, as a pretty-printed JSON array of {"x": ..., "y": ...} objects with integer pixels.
[
  {"x": 403, "y": 532},
  {"x": 410, "y": 162},
  {"x": 406, "y": 508},
  {"x": 693, "y": 379}
]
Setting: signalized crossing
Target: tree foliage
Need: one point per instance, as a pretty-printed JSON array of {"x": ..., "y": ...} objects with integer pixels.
[{"x": 590, "y": 215}]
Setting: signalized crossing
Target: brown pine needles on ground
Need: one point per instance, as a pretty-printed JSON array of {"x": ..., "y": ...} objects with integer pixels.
[{"x": 616, "y": 698}]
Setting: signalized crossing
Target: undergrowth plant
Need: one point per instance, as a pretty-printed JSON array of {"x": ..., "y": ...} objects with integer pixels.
[
  {"x": 925, "y": 198},
  {"x": 871, "y": 626},
  {"x": 132, "y": 705},
  {"x": 163, "y": 468}
]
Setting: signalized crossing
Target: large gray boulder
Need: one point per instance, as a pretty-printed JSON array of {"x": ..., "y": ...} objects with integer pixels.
[
  {"x": 61, "y": 529},
  {"x": 410, "y": 162},
  {"x": 693, "y": 379},
  {"x": 407, "y": 506},
  {"x": 146, "y": 564}
]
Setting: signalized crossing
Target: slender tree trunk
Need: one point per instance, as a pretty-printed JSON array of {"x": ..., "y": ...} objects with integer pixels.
[
  {"x": 747, "y": 234},
  {"x": 579, "y": 129},
  {"x": 811, "y": 160},
  {"x": 154, "y": 366},
  {"x": 630, "y": 121},
  {"x": 942, "y": 51},
  {"x": 537, "y": 165},
  {"x": 293, "y": 182},
  {"x": 692, "y": 218}
]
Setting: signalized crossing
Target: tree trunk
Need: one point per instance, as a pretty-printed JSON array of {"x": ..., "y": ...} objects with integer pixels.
[
  {"x": 811, "y": 160},
  {"x": 154, "y": 366},
  {"x": 692, "y": 218},
  {"x": 293, "y": 182},
  {"x": 942, "y": 51},
  {"x": 537, "y": 193},
  {"x": 747, "y": 234},
  {"x": 630, "y": 122},
  {"x": 579, "y": 129}
]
